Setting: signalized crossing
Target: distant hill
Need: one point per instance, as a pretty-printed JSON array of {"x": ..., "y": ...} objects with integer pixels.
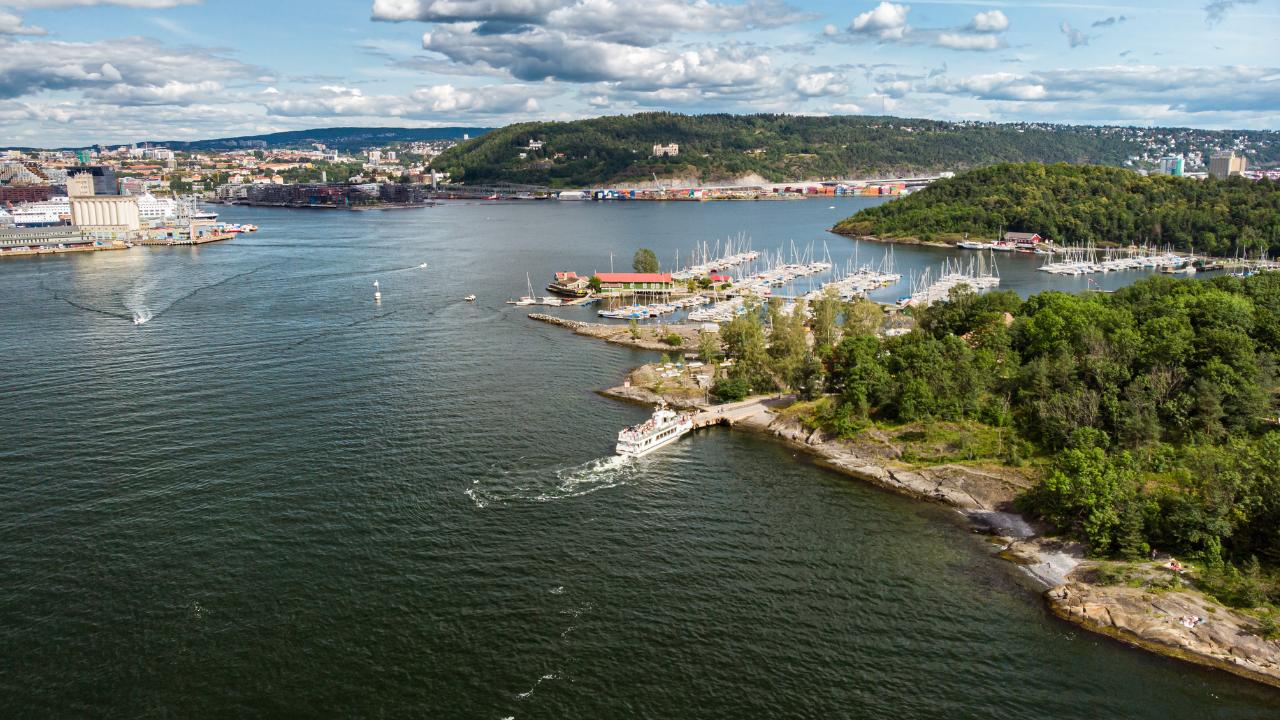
[
  {"x": 341, "y": 138},
  {"x": 1079, "y": 204},
  {"x": 618, "y": 149}
]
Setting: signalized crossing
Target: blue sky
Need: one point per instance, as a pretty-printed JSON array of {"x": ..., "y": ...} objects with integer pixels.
[{"x": 110, "y": 71}]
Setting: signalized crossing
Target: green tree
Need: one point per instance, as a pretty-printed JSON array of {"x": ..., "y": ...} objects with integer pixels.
[
  {"x": 744, "y": 341},
  {"x": 645, "y": 261},
  {"x": 709, "y": 346},
  {"x": 863, "y": 317},
  {"x": 1089, "y": 492},
  {"x": 788, "y": 341},
  {"x": 826, "y": 311}
]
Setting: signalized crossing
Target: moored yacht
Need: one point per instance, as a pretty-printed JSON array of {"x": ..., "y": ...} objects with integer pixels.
[{"x": 665, "y": 427}]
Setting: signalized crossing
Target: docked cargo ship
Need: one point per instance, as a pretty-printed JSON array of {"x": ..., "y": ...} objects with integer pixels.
[{"x": 665, "y": 427}]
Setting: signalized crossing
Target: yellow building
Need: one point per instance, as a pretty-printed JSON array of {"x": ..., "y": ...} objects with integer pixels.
[
  {"x": 114, "y": 217},
  {"x": 80, "y": 185},
  {"x": 1224, "y": 165}
]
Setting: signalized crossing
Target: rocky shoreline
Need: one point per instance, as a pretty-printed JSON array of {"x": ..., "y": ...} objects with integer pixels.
[
  {"x": 894, "y": 241},
  {"x": 1141, "y": 617},
  {"x": 1135, "y": 616}
]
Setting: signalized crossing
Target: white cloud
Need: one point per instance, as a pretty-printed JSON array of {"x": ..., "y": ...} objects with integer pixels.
[
  {"x": 1183, "y": 90},
  {"x": 895, "y": 89},
  {"x": 540, "y": 54},
  {"x": 887, "y": 21},
  {"x": 989, "y": 21},
  {"x": 636, "y": 22},
  {"x": 991, "y": 86},
  {"x": 171, "y": 92},
  {"x": 98, "y": 68},
  {"x": 606, "y": 17},
  {"x": 968, "y": 41},
  {"x": 819, "y": 84},
  {"x": 11, "y": 24},
  {"x": 434, "y": 102},
  {"x": 512, "y": 11}
]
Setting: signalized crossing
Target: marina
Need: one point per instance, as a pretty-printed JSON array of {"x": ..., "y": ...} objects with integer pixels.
[
  {"x": 977, "y": 275},
  {"x": 710, "y": 260},
  {"x": 1089, "y": 260}
]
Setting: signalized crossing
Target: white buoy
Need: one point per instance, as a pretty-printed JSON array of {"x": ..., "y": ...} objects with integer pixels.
[{"x": 377, "y": 292}]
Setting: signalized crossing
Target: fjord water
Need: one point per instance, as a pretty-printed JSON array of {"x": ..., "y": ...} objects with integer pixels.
[{"x": 276, "y": 497}]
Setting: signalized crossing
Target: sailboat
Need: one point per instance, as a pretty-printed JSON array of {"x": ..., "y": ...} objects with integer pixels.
[{"x": 528, "y": 299}]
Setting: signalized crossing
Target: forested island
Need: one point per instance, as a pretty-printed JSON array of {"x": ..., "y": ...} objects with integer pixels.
[
  {"x": 1079, "y": 204},
  {"x": 619, "y": 149},
  {"x": 1147, "y": 416}
]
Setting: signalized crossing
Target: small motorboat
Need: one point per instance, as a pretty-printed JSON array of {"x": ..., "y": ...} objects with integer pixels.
[{"x": 470, "y": 298}]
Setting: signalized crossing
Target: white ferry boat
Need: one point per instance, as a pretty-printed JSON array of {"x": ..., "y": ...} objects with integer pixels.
[{"x": 665, "y": 427}]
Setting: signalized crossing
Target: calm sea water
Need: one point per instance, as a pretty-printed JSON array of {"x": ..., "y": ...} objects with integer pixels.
[{"x": 278, "y": 498}]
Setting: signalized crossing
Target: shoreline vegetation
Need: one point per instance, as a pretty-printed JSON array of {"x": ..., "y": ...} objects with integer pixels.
[
  {"x": 1080, "y": 205},
  {"x": 716, "y": 148},
  {"x": 1120, "y": 449}
]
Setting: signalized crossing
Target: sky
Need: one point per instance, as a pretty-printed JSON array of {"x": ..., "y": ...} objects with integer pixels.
[{"x": 78, "y": 72}]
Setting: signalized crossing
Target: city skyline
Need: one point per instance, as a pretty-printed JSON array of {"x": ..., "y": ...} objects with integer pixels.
[{"x": 76, "y": 72}]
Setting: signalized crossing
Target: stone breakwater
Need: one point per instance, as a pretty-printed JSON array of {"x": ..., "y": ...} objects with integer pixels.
[{"x": 648, "y": 338}]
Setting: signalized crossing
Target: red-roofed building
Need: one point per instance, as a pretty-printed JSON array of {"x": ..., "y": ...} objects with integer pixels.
[
  {"x": 641, "y": 282},
  {"x": 720, "y": 278}
]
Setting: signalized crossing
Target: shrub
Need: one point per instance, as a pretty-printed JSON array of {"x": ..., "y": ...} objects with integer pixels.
[
  {"x": 673, "y": 339},
  {"x": 729, "y": 389},
  {"x": 1267, "y": 627}
]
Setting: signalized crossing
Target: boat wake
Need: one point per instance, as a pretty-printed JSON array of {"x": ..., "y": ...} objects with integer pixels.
[
  {"x": 363, "y": 273},
  {"x": 544, "y": 678},
  {"x": 136, "y": 299},
  {"x": 340, "y": 328},
  {"x": 551, "y": 484}
]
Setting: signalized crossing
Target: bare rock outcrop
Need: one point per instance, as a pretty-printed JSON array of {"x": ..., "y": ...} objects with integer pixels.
[
  {"x": 960, "y": 486},
  {"x": 1177, "y": 624}
]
